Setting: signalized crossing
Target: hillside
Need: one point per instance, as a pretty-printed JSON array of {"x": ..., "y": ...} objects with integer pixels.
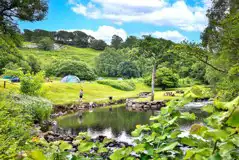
[{"x": 67, "y": 52}]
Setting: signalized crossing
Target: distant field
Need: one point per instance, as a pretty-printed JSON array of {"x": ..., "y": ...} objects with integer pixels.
[
  {"x": 46, "y": 57},
  {"x": 63, "y": 93}
]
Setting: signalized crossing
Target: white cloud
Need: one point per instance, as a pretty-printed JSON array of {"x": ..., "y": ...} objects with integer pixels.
[
  {"x": 158, "y": 12},
  {"x": 169, "y": 35},
  {"x": 104, "y": 33}
]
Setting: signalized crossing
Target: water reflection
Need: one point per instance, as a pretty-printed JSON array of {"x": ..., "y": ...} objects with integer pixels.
[
  {"x": 112, "y": 122},
  {"x": 118, "y": 123}
]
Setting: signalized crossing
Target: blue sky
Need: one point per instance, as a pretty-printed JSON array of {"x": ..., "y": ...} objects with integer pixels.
[{"x": 170, "y": 19}]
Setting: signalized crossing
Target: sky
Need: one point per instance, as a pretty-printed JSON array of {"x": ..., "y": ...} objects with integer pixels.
[{"x": 175, "y": 20}]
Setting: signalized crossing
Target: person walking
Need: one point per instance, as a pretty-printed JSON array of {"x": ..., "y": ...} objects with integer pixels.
[{"x": 81, "y": 95}]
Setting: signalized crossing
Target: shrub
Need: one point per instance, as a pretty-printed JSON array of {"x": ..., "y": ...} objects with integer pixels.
[
  {"x": 165, "y": 78},
  {"x": 68, "y": 67},
  {"x": 125, "y": 85},
  {"x": 128, "y": 70},
  {"x": 46, "y": 44},
  {"x": 32, "y": 84},
  {"x": 39, "y": 108}
]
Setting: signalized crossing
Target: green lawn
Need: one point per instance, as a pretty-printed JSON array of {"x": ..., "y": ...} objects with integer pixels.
[
  {"x": 67, "y": 52},
  {"x": 63, "y": 93}
]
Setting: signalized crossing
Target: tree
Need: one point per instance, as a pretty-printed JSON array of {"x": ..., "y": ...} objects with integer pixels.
[
  {"x": 46, "y": 44},
  {"x": 32, "y": 84},
  {"x": 98, "y": 44},
  {"x": 11, "y": 10},
  {"x": 165, "y": 78},
  {"x": 130, "y": 42},
  {"x": 128, "y": 69},
  {"x": 108, "y": 61},
  {"x": 34, "y": 64},
  {"x": 154, "y": 49},
  {"x": 116, "y": 41},
  {"x": 63, "y": 68}
]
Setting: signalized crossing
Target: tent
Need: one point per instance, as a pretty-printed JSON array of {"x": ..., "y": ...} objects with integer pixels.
[{"x": 70, "y": 79}]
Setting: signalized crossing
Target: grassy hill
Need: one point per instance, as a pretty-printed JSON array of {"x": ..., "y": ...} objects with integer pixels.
[
  {"x": 63, "y": 93},
  {"x": 67, "y": 52}
]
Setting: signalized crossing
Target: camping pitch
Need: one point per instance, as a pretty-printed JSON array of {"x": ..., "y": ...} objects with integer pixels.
[{"x": 70, "y": 79}]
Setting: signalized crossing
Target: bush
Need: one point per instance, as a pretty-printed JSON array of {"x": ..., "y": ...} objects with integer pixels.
[
  {"x": 39, "y": 108},
  {"x": 46, "y": 44},
  {"x": 69, "y": 67},
  {"x": 165, "y": 78},
  {"x": 32, "y": 84},
  {"x": 125, "y": 85},
  {"x": 128, "y": 70}
]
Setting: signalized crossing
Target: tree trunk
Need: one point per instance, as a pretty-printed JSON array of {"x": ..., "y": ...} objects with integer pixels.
[{"x": 153, "y": 82}]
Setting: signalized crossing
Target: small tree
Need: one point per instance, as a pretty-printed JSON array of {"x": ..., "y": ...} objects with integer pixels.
[
  {"x": 34, "y": 64},
  {"x": 116, "y": 41},
  {"x": 98, "y": 44},
  {"x": 165, "y": 78},
  {"x": 46, "y": 44},
  {"x": 154, "y": 49},
  {"x": 32, "y": 84},
  {"x": 128, "y": 70}
]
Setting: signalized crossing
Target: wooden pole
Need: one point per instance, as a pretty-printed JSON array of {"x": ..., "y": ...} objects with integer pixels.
[{"x": 4, "y": 84}]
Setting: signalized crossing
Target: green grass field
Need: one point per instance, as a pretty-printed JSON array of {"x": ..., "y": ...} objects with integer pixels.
[
  {"x": 67, "y": 52},
  {"x": 64, "y": 93}
]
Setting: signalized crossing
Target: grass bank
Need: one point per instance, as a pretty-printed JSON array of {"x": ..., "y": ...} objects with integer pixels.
[
  {"x": 86, "y": 55},
  {"x": 65, "y": 93}
]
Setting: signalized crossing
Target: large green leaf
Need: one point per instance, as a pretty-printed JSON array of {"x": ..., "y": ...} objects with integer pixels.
[
  {"x": 208, "y": 108},
  {"x": 216, "y": 134},
  {"x": 64, "y": 146},
  {"x": 188, "y": 116},
  {"x": 139, "y": 129},
  {"x": 168, "y": 147},
  {"x": 121, "y": 153},
  {"x": 233, "y": 121},
  {"x": 85, "y": 146},
  {"x": 139, "y": 148},
  {"x": 37, "y": 155},
  {"x": 198, "y": 154}
]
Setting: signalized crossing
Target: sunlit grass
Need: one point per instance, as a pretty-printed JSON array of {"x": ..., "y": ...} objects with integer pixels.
[
  {"x": 86, "y": 55},
  {"x": 64, "y": 93}
]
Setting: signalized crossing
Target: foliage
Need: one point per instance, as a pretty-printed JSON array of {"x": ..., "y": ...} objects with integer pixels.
[
  {"x": 198, "y": 92},
  {"x": 187, "y": 82},
  {"x": 40, "y": 109},
  {"x": 154, "y": 49},
  {"x": 9, "y": 56},
  {"x": 128, "y": 69},
  {"x": 34, "y": 64},
  {"x": 32, "y": 84},
  {"x": 15, "y": 128},
  {"x": 98, "y": 44},
  {"x": 130, "y": 42},
  {"x": 165, "y": 78},
  {"x": 46, "y": 44},
  {"x": 11, "y": 11},
  {"x": 116, "y": 41},
  {"x": 61, "y": 68},
  {"x": 108, "y": 61},
  {"x": 125, "y": 85}
]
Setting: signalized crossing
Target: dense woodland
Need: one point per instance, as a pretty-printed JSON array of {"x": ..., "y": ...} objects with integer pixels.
[{"x": 159, "y": 63}]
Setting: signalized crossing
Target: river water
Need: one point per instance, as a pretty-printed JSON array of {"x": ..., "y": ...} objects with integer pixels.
[{"x": 118, "y": 123}]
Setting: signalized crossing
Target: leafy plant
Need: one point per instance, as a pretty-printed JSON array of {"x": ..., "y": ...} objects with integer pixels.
[{"x": 32, "y": 84}]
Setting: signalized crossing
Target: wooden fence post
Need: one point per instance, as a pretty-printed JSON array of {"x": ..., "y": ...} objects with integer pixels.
[{"x": 4, "y": 84}]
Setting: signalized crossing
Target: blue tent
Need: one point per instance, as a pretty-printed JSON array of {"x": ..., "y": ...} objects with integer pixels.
[{"x": 70, "y": 79}]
